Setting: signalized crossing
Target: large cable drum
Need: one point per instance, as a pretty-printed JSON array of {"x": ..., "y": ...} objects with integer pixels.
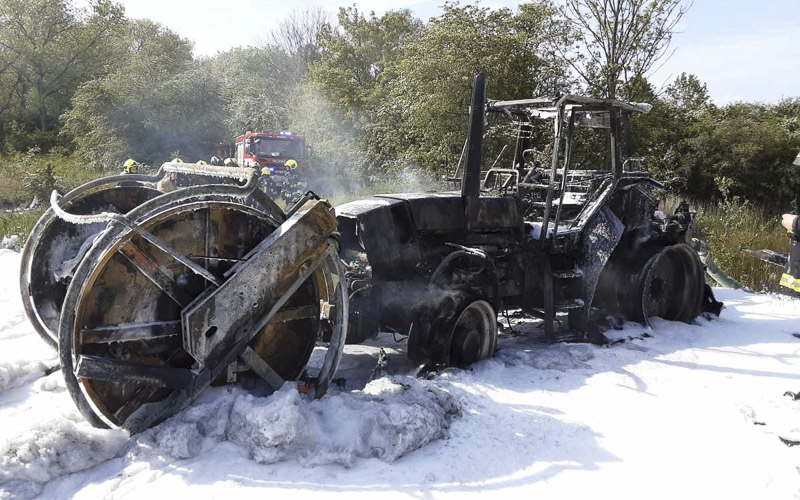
[{"x": 153, "y": 266}]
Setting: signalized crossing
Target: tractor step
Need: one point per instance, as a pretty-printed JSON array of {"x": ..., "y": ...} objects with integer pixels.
[
  {"x": 566, "y": 305},
  {"x": 568, "y": 274}
]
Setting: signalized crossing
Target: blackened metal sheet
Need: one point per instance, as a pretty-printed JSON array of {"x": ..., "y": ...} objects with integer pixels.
[
  {"x": 387, "y": 230},
  {"x": 434, "y": 212},
  {"x": 222, "y": 316},
  {"x": 601, "y": 236},
  {"x": 358, "y": 207}
]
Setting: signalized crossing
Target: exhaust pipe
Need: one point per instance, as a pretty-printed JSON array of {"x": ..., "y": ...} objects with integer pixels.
[{"x": 471, "y": 181}]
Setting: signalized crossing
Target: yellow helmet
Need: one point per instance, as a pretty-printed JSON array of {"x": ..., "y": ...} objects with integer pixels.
[
  {"x": 202, "y": 162},
  {"x": 130, "y": 166},
  {"x": 291, "y": 164},
  {"x": 265, "y": 171},
  {"x": 229, "y": 162}
]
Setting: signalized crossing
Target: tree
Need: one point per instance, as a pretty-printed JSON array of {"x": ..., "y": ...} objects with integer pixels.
[
  {"x": 661, "y": 136},
  {"x": 158, "y": 100},
  {"x": 256, "y": 84},
  {"x": 742, "y": 150},
  {"x": 298, "y": 35},
  {"x": 352, "y": 77},
  {"x": 688, "y": 93},
  {"x": 52, "y": 48},
  {"x": 620, "y": 39},
  {"x": 357, "y": 53},
  {"x": 432, "y": 91}
]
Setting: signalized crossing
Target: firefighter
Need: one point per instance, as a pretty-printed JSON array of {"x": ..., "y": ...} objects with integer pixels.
[
  {"x": 791, "y": 278},
  {"x": 216, "y": 161},
  {"x": 265, "y": 182},
  {"x": 131, "y": 166},
  {"x": 295, "y": 185},
  {"x": 230, "y": 162}
]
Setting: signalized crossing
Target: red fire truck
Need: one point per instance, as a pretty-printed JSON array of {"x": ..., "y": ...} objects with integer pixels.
[{"x": 272, "y": 150}]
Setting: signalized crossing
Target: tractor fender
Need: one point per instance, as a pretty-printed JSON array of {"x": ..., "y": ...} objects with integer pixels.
[
  {"x": 449, "y": 261},
  {"x": 600, "y": 238}
]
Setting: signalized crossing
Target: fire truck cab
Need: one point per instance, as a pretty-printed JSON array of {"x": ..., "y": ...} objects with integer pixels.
[{"x": 272, "y": 150}]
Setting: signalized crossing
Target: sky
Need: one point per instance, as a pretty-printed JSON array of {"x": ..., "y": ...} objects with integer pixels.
[{"x": 744, "y": 50}]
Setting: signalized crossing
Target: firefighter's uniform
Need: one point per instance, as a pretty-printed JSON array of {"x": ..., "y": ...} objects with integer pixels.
[
  {"x": 295, "y": 185},
  {"x": 265, "y": 182},
  {"x": 791, "y": 278}
]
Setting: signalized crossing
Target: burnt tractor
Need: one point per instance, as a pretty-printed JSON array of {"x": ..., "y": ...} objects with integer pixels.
[
  {"x": 588, "y": 244},
  {"x": 152, "y": 296}
]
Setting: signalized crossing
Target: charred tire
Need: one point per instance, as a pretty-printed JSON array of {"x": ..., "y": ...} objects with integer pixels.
[
  {"x": 474, "y": 335},
  {"x": 457, "y": 330},
  {"x": 670, "y": 286}
]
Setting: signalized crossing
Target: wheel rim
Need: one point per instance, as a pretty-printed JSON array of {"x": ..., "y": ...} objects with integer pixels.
[
  {"x": 474, "y": 334},
  {"x": 119, "y": 291},
  {"x": 53, "y": 242},
  {"x": 672, "y": 285}
]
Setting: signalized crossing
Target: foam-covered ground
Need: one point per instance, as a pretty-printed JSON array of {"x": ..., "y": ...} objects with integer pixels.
[{"x": 689, "y": 411}]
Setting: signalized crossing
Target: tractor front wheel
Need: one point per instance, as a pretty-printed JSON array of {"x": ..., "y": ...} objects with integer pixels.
[{"x": 453, "y": 328}]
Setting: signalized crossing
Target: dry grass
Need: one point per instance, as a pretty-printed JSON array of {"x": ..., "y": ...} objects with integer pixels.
[{"x": 732, "y": 225}]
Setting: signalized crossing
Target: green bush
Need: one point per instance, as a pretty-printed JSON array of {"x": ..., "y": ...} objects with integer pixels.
[{"x": 21, "y": 173}]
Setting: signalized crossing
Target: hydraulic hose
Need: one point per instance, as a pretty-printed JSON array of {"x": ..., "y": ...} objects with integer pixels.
[{"x": 712, "y": 270}]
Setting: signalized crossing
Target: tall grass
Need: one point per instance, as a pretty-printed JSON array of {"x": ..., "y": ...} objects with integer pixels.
[
  {"x": 734, "y": 224},
  {"x": 19, "y": 223},
  {"x": 16, "y": 171}
]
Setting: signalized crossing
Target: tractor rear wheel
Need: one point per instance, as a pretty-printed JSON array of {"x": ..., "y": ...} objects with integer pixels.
[{"x": 670, "y": 286}]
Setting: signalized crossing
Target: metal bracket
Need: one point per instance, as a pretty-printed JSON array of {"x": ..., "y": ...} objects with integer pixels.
[{"x": 239, "y": 307}]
